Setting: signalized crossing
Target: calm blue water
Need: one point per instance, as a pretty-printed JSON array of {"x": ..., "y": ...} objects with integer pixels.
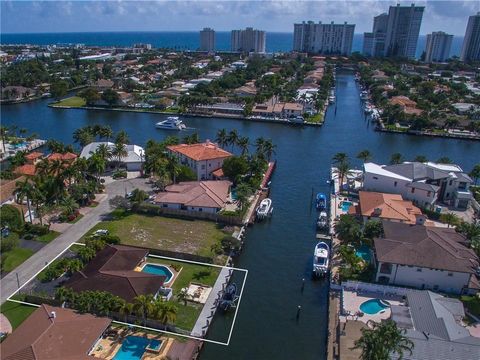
[
  {"x": 372, "y": 306},
  {"x": 178, "y": 40},
  {"x": 158, "y": 270},
  {"x": 133, "y": 348}
]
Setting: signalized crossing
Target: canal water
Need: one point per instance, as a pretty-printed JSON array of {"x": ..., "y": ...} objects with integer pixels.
[{"x": 278, "y": 252}]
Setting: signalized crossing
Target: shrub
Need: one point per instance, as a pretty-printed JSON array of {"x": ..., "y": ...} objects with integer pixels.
[
  {"x": 36, "y": 229},
  {"x": 9, "y": 243},
  {"x": 229, "y": 242},
  {"x": 96, "y": 244},
  {"x": 28, "y": 236},
  {"x": 217, "y": 249},
  {"x": 11, "y": 217},
  {"x": 110, "y": 239},
  {"x": 186, "y": 174},
  {"x": 120, "y": 174}
]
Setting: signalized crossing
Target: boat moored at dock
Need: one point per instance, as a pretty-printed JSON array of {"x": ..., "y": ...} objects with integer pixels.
[
  {"x": 264, "y": 209},
  {"x": 321, "y": 201},
  {"x": 172, "y": 123},
  {"x": 229, "y": 298},
  {"x": 321, "y": 260},
  {"x": 322, "y": 222}
]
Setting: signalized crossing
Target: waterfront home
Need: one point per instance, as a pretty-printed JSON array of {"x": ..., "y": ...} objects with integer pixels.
[
  {"x": 103, "y": 84},
  {"x": 133, "y": 161},
  {"x": 422, "y": 183},
  {"x": 287, "y": 110},
  {"x": 392, "y": 207},
  {"x": 425, "y": 257},
  {"x": 67, "y": 158},
  {"x": 34, "y": 157},
  {"x": 246, "y": 90},
  {"x": 465, "y": 108},
  {"x": 25, "y": 170},
  {"x": 203, "y": 196},
  {"x": 113, "y": 270},
  {"x": 203, "y": 158},
  {"x": 54, "y": 333},
  {"x": 434, "y": 324},
  {"x": 408, "y": 106}
]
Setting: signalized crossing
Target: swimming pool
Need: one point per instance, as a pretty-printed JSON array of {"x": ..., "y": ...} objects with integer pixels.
[
  {"x": 133, "y": 347},
  {"x": 364, "y": 252},
  {"x": 19, "y": 145},
  {"x": 346, "y": 205},
  {"x": 161, "y": 270},
  {"x": 374, "y": 306}
]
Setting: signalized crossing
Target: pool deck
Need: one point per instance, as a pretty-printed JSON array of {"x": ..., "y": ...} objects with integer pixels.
[
  {"x": 206, "y": 316},
  {"x": 352, "y": 301}
]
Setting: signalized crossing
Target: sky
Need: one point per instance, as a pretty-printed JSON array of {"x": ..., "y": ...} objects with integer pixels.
[{"x": 278, "y": 16}]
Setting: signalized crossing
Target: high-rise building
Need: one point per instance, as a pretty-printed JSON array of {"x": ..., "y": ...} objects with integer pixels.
[
  {"x": 438, "y": 46},
  {"x": 403, "y": 27},
  {"x": 207, "y": 39},
  {"x": 471, "y": 41},
  {"x": 374, "y": 42},
  {"x": 323, "y": 38},
  {"x": 248, "y": 40}
]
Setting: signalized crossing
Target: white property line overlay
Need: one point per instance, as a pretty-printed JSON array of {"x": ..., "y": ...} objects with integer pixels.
[{"x": 146, "y": 327}]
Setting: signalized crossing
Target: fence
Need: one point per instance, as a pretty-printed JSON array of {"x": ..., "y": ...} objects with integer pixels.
[
  {"x": 376, "y": 288},
  {"x": 186, "y": 214}
]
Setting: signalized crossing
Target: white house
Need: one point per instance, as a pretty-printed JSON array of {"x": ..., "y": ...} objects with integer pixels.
[
  {"x": 133, "y": 161},
  {"x": 422, "y": 183},
  {"x": 203, "y": 158},
  {"x": 202, "y": 196},
  {"x": 425, "y": 257}
]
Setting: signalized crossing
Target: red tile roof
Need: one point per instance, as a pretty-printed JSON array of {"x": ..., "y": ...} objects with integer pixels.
[
  {"x": 66, "y": 336},
  {"x": 58, "y": 156},
  {"x": 33, "y": 155},
  {"x": 201, "y": 151},
  {"x": 27, "y": 169}
]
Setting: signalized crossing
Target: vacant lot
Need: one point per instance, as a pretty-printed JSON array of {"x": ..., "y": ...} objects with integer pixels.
[
  {"x": 71, "y": 101},
  {"x": 156, "y": 232}
]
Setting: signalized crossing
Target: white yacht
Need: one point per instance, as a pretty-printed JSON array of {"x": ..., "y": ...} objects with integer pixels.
[
  {"x": 265, "y": 209},
  {"x": 172, "y": 123},
  {"x": 322, "y": 222},
  {"x": 321, "y": 259}
]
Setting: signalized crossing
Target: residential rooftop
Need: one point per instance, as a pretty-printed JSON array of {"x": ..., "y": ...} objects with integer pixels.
[{"x": 201, "y": 151}]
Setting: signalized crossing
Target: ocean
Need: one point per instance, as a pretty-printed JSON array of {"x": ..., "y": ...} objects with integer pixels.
[{"x": 178, "y": 40}]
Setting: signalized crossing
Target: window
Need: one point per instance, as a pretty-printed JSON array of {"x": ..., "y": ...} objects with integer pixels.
[
  {"x": 429, "y": 193},
  {"x": 386, "y": 268},
  {"x": 419, "y": 269},
  {"x": 375, "y": 178},
  {"x": 203, "y": 167},
  {"x": 450, "y": 183},
  {"x": 413, "y": 190},
  {"x": 450, "y": 274},
  {"x": 209, "y": 165},
  {"x": 200, "y": 209},
  {"x": 395, "y": 183}
]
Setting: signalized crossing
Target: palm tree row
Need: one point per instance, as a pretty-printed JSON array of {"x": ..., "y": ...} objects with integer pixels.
[
  {"x": 264, "y": 147},
  {"x": 104, "y": 303}
]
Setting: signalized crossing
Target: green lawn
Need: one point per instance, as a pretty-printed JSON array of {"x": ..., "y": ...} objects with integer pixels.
[
  {"x": 203, "y": 274},
  {"x": 16, "y": 313},
  {"x": 317, "y": 118},
  {"x": 472, "y": 303},
  {"x": 71, "y": 101},
  {"x": 157, "y": 232},
  {"x": 48, "y": 237},
  {"x": 11, "y": 259}
]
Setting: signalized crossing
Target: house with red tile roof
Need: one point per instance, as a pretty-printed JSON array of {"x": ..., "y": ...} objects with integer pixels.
[
  {"x": 203, "y": 158},
  {"x": 26, "y": 170},
  {"x": 202, "y": 196},
  {"x": 34, "y": 157},
  {"x": 68, "y": 157}
]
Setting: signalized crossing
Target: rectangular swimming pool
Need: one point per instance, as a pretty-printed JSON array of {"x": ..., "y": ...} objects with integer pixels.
[{"x": 133, "y": 347}]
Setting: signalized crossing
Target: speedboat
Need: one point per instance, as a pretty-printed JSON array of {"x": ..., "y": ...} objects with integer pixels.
[
  {"x": 321, "y": 201},
  {"x": 172, "y": 123},
  {"x": 331, "y": 99},
  {"x": 229, "y": 297},
  {"x": 297, "y": 119},
  {"x": 321, "y": 259},
  {"x": 322, "y": 222},
  {"x": 265, "y": 208}
]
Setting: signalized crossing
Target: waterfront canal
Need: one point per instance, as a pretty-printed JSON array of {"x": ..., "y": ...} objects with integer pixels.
[{"x": 277, "y": 252}]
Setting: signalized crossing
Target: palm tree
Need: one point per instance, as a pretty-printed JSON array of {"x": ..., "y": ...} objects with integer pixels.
[
  {"x": 24, "y": 190},
  {"x": 444, "y": 160},
  {"x": 243, "y": 144},
  {"x": 475, "y": 173},
  {"x": 83, "y": 136},
  {"x": 172, "y": 167},
  {"x": 104, "y": 151},
  {"x": 142, "y": 305},
  {"x": 339, "y": 158},
  {"x": 450, "y": 219},
  {"x": 421, "y": 158},
  {"x": 119, "y": 151},
  {"x": 260, "y": 146},
  {"x": 126, "y": 309},
  {"x": 222, "y": 138},
  {"x": 69, "y": 206},
  {"x": 233, "y": 138},
  {"x": 105, "y": 132},
  {"x": 365, "y": 156},
  {"x": 396, "y": 158},
  {"x": 183, "y": 296},
  {"x": 97, "y": 165},
  {"x": 382, "y": 341},
  {"x": 269, "y": 148},
  {"x": 3, "y": 135},
  {"x": 122, "y": 137},
  {"x": 165, "y": 312},
  {"x": 342, "y": 170}
]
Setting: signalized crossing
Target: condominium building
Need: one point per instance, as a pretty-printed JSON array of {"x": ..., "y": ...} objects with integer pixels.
[
  {"x": 374, "y": 42},
  {"x": 438, "y": 46},
  {"x": 323, "y": 38},
  {"x": 471, "y": 41},
  {"x": 207, "y": 39},
  {"x": 402, "y": 30},
  {"x": 248, "y": 40}
]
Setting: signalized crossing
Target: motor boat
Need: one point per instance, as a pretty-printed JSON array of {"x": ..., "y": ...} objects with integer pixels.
[
  {"x": 322, "y": 222},
  {"x": 297, "y": 119},
  {"x": 321, "y": 201},
  {"x": 229, "y": 297},
  {"x": 265, "y": 209},
  {"x": 172, "y": 123},
  {"x": 321, "y": 259},
  {"x": 331, "y": 99}
]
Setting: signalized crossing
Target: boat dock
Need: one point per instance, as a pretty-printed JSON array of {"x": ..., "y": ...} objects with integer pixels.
[{"x": 11, "y": 150}]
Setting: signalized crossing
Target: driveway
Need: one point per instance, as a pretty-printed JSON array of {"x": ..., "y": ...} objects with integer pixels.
[{"x": 33, "y": 265}]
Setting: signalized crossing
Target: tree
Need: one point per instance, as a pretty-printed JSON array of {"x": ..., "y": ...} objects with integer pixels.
[
  {"x": 105, "y": 132},
  {"x": 23, "y": 190},
  {"x": 3, "y": 135},
  {"x": 373, "y": 229},
  {"x": 183, "y": 296},
  {"x": 142, "y": 305},
  {"x": 110, "y": 96},
  {"x": 122, "y": 137},
  {"x": 233, "y": 137},
  {"x": 348, "y": 229},
  {"x": 444, "y": 160},
  {"x": 475, "y": 173},
  {"x": 235, "y": 167},
  {"x": 339, "y": 158},
  {"x": 68, "y": 206},
  {"x": 11, "y": 217},
  {"x": 421, "y": 158},
  {"x": 222, "y": 138},
  {"x": 342, "y": 170},
  {"x": 450, "y": 219},
  {"x": 243, "y": 194},
  {"x": 382, "y": 341},
  {"x": 172, "y": 167},
  {"x": 185, "y": 173},
  {"x": 59, "y": 89},
  {"x": 138, "y": 196},
  {"x": 364, "y": 155},
  {"x": 90, "y": 95},
  {"x": 243, "y": 144},
  {"x": 119, "y": 152},
  {"x": 126, "y": 309},
  {"x": 396, "y": 158},
  {"x": 268, "y": 149},
  {"x": 83, "y": 136}
]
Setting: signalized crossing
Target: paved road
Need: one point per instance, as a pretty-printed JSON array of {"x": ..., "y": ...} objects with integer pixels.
[{"x": 33, "y": 265}]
